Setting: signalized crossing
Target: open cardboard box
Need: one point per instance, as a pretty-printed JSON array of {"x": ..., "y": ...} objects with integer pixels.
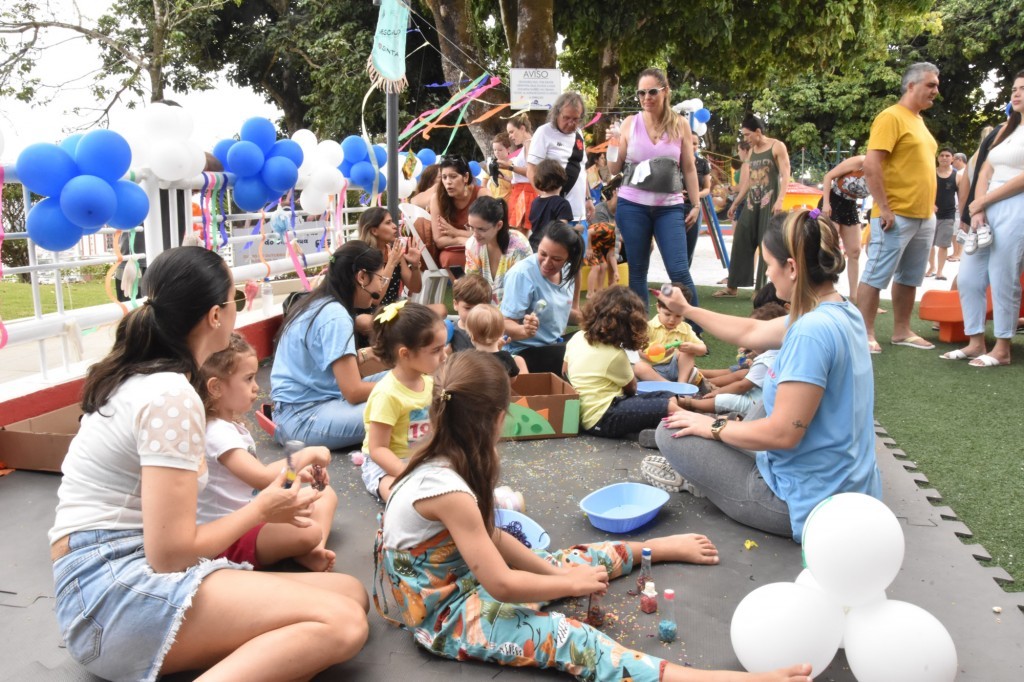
[
  {"x": 40, "y": 443},
  {"x": 543, "y": 406}
]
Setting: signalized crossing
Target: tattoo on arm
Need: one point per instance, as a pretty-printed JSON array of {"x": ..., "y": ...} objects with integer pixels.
[{"x": 799, "y": 424}]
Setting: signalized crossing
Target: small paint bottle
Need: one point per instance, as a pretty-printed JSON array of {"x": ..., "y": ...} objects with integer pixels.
[
  {"x": 667, "y": 627},
  {"x": 595, "y": 612},
  {"x": 290, "y": 448},
  {"x": 645, "y": 569},
  {"x": 666, "y": 289},
  {"x": 649, "y": 598}
]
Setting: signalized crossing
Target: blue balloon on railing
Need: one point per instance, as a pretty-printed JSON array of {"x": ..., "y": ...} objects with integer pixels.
[
  {"x": 49, "y": 228},
  {"x": 427, "y": 156},
  {"x": 220, "y": 151},
  {"x": 105, "y": 154},
  {"x": 132, "y": 205},
  {"x": 702, "y": 115},
  {"x": 88, "y": 201},
  {"x": 245, "y": 159},
  {"x": 346, "y": 168},
  {"x": 70, "y": 143},
  {"x": 251, "y": 193},
  {"x": 362, "y": 174},
  {"x": 45, "y": 168},
  {"x": 288, "y": 149},
  {"x": 381, "y": 155},
  {"x": 382, "y": 182},
  {"x": 279, "y": 174},
  {"x": 354, "y": 148},
  {"x": 261, "y": 132},
  {"x": 474, "y": 168}
]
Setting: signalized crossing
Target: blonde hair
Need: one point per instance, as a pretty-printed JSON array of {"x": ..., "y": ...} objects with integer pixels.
[
  {"x": 669, "y": 121},
  {"x": 814, "y": 246},
  {"x": 485, "y": 324}
]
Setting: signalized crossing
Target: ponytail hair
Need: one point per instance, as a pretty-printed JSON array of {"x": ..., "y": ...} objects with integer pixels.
[
  {"x": 564, "y": 234},
  {"x": 812, "y": 241},
  {"x": 402, "y": 324},
  {"x": 493, "y": 210},
  {"x": 471, "y": 393},
  {"x": 182, "y": 285}
]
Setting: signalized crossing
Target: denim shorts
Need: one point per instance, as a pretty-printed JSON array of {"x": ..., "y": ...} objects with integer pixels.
[
  {"x": 118, "y": 617},
  {"x": 899, "y": 253},
  {"x": 669, "y": 371}
]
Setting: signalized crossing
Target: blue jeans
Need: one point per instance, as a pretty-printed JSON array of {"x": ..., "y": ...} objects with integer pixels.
[
  {"x": 692, "y": 234},
  {"x": 667, "y": 225},
  {"x": 333, "y": 424}
]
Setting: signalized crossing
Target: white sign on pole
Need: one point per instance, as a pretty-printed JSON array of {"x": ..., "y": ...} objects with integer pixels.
[{"x": 535, "y": 88}]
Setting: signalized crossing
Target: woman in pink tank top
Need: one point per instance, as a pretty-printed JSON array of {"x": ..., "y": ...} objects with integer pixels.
[{"x": 656, "y": 157}]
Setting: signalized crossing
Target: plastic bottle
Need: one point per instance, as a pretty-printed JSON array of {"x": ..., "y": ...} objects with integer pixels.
[
  {"x": 290, "y": 448},
  {"x": 612, "y": 154},
  {"x": 267, "y": 296},
  {"x": 667, "y": 627},
  {"x": 595, "y": 612},
  {"x": 649, "y": 598},
  {"x": 645, "y": 569},
  {"x": 666, "y": 289}
]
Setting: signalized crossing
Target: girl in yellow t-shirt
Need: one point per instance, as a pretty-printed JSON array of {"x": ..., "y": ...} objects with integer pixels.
[{"x": 598, "y": 368}]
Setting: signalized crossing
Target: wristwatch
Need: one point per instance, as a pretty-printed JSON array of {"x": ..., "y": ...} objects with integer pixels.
[{"x": 717, "y": 426}]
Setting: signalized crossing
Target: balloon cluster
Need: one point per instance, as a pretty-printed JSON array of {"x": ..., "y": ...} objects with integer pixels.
[
  {"x": 264, "y": 167},
  {"x": 699, "y": 116},
  {"x": 853, "y": 548},
  {"x": 360, "y": 158},
  {"x": 81, "y": 180}
]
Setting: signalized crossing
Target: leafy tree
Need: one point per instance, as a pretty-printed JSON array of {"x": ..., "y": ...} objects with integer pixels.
[{"x": 15, "y": 251}]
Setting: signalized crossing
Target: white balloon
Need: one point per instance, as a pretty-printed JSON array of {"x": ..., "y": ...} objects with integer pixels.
[
  {"x": 330, "y": 153},
  {"x": 854, "y": 546},
  {"x": 405, "y": 187},
  {"x": 184, "y": 125},
  {"x": 305, "y": 176},
  {"x": 326, "y": 179},
  {"x": 806, "y": 578},
  {"x": 197, "y": 160},
  {"x": 313, "y": 202},
  {"x": 894, "y": 640},
  {"x": 162, "y": 122},
  {"x": 306, "y": 139},
  {"x": 699, "y": 128},
  {"x": 170, "y": 160},
  {"x": 697, "y": 104},
  {"x": 782, "y": 624}
]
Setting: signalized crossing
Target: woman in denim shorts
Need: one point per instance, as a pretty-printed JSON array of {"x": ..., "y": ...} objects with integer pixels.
[{"x": 139, "y": 592}]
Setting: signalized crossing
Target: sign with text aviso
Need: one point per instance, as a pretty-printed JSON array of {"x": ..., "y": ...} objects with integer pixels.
[{"x": 535, "y": 88}]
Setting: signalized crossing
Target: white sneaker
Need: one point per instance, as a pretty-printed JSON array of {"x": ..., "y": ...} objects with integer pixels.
[
  {"x": 971, "y": 243},
  {"x": 961, "y": 236},
  {"x": 984, "y": 236}
]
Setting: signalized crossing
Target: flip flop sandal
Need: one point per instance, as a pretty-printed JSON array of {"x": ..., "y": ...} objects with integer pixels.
[
  {"x": 909, "y": 342},
  {"x": 940, "y": 278},
  {"x": 987, "y": 361},
  {"x": 874, "y": 347},
  {"x": 957, "y": 355}
]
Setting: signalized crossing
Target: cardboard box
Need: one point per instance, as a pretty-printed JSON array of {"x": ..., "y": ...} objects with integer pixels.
[
  {"x": 39, "y": 443},
  {"x": 543, "y": 406}
]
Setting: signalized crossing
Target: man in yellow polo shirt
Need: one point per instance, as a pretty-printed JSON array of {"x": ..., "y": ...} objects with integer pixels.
[{"x": 900, "y": 172}]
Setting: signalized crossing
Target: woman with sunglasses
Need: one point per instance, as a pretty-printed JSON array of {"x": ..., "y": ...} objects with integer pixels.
[
  {"x": 139, "y": 591},
  {"x": 449, "y": 212},
  {"x": 316, "y": 383},
  {"x": 657, "y": 162}
]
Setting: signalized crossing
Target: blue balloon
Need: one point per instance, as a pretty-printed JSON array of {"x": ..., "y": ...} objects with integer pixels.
[
  {"x": 427, "y": 156},
  {"x": 220, "y": 151},
  {"x": 70, "y": 143},
  {"x": 362, "y": 174},
  {"x": 382, "y": 182},
  {"x": 132, "y": 205},
  {"x": 354, "y": 148},
  {"x": 45, "y": 168},
  {"x": 49, "y": 228},
  {"x": 250, "y": 193},
  {"x": 381, "y": 155},
  {"x": 702, "y": 115},
  {"x": 261, "y": 132},
  {"x": 279, "y": 174},
  {"x": 346, "y": 168},
  {"x": 289, "y": 149},
  {"x": 474, "y": 168},
  {"x": 105, "y": 154},
  {"x": 245, "y": 159},
  {"x": 88, "y": 201}
]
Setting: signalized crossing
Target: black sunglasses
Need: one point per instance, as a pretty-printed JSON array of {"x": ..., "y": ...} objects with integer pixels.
[
  {"x": 239, "y": 300},
  {"x": 650, "y": 93}
]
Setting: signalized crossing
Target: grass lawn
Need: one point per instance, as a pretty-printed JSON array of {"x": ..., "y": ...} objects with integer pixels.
[
  {"x": 964, "y": 427},
  {"x": 16, "y": 298}
]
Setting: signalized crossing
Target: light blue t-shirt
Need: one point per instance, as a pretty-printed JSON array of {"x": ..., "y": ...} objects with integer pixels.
[
  {"x": 307, "y": 349},
  {"x": 524, "y": 286},
  {"x": 827, "y": 347}
]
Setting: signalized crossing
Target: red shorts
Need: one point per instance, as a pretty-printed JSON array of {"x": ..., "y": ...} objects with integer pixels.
[{"x": 244, "y": 548}]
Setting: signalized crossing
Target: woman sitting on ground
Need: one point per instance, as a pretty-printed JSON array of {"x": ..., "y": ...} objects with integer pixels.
[
  {"x": 818, "y": 437},
  {"x": 494, "y": 248}
]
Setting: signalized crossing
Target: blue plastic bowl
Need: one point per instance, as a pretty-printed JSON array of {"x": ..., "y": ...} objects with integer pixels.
[
  {"x": 622, "y": 507},
  {"x": 537, "y": 536}
]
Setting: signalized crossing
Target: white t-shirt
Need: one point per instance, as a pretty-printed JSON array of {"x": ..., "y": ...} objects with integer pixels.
[
  {"x": 224, "y": 492},
  {"x": 404, "y": 527},
  {"x": 551, "y": 143},
  {"x": 519, "y": 161},
  {"x": 759, "y": 368},
  {"x": 150, "y": 420},
  {"x": 1007, "y": 158}
]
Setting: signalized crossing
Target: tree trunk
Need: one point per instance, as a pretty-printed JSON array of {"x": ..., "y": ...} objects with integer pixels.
[
  {"x": 535, "y": 41},
  {"x": 607, "y": 86},
  {"x": 154, "y": 60}
]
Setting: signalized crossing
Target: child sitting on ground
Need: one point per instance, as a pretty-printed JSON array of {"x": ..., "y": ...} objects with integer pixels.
[
  {"x": 486, "y": 327},
  {"x": 467, "y": 590},
  {"x": 603, "y": 240},
  {"x": 597, "y": 366},
  {"x": 550, "y": 205},
  {"x": 744, "y": 395},
  {"x": 664, "y": 329},
  {"x": 236, "y": 475},
  {"x": 410, "y": 339},
  {"x": 468, "y": 292}
]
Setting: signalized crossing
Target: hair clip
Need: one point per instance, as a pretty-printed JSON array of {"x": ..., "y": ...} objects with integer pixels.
[
  {"x": 390, "y": 311},
  {"x": 446, "y": 395},
  {"x": 332, "y": 259},
  {"x": 814, "y": 213}
]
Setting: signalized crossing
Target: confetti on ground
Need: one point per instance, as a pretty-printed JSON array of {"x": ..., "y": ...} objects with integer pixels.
[{"x": 750, "y": 544}]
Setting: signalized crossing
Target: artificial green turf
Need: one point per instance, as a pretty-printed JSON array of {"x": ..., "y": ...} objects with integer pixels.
[{"x": 962, "y": 425}]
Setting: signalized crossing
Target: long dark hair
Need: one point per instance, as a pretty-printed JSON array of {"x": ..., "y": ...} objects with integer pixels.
[
  {"x": 371, "y": 218},
  {"x": 492, "y": 210},
  {"x": 413, "y": 326},
  {"x": 182, "y": 285},
  {"x": 1012, "y": 122},
  {"x": 340, "y": 284},
  {"x": 447, "y": 204},
  {"x": 815, "y": 247},
  {"x": 564, "y": 234},
  {"x": 471, "y": 393}
]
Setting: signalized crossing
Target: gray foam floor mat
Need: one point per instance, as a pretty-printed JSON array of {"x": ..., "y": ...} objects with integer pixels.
[{"x": 940, "y": 572}]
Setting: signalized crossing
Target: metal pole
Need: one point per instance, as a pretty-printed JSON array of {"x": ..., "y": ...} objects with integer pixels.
[{"x": 392, "y": 174}]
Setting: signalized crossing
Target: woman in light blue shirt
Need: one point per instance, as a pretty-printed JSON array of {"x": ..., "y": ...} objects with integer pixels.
[
  {"x": 315, "y": 384},
  {"x": 818, "y": 436}
]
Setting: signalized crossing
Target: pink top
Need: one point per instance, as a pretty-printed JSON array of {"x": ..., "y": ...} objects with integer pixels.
[{"x": 641, "y": 149}]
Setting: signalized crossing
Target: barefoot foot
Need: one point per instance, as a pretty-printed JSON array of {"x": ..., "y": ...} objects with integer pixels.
[
  {"x": 689, "y": 547},
  {"x": 320, "y": 560}
]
